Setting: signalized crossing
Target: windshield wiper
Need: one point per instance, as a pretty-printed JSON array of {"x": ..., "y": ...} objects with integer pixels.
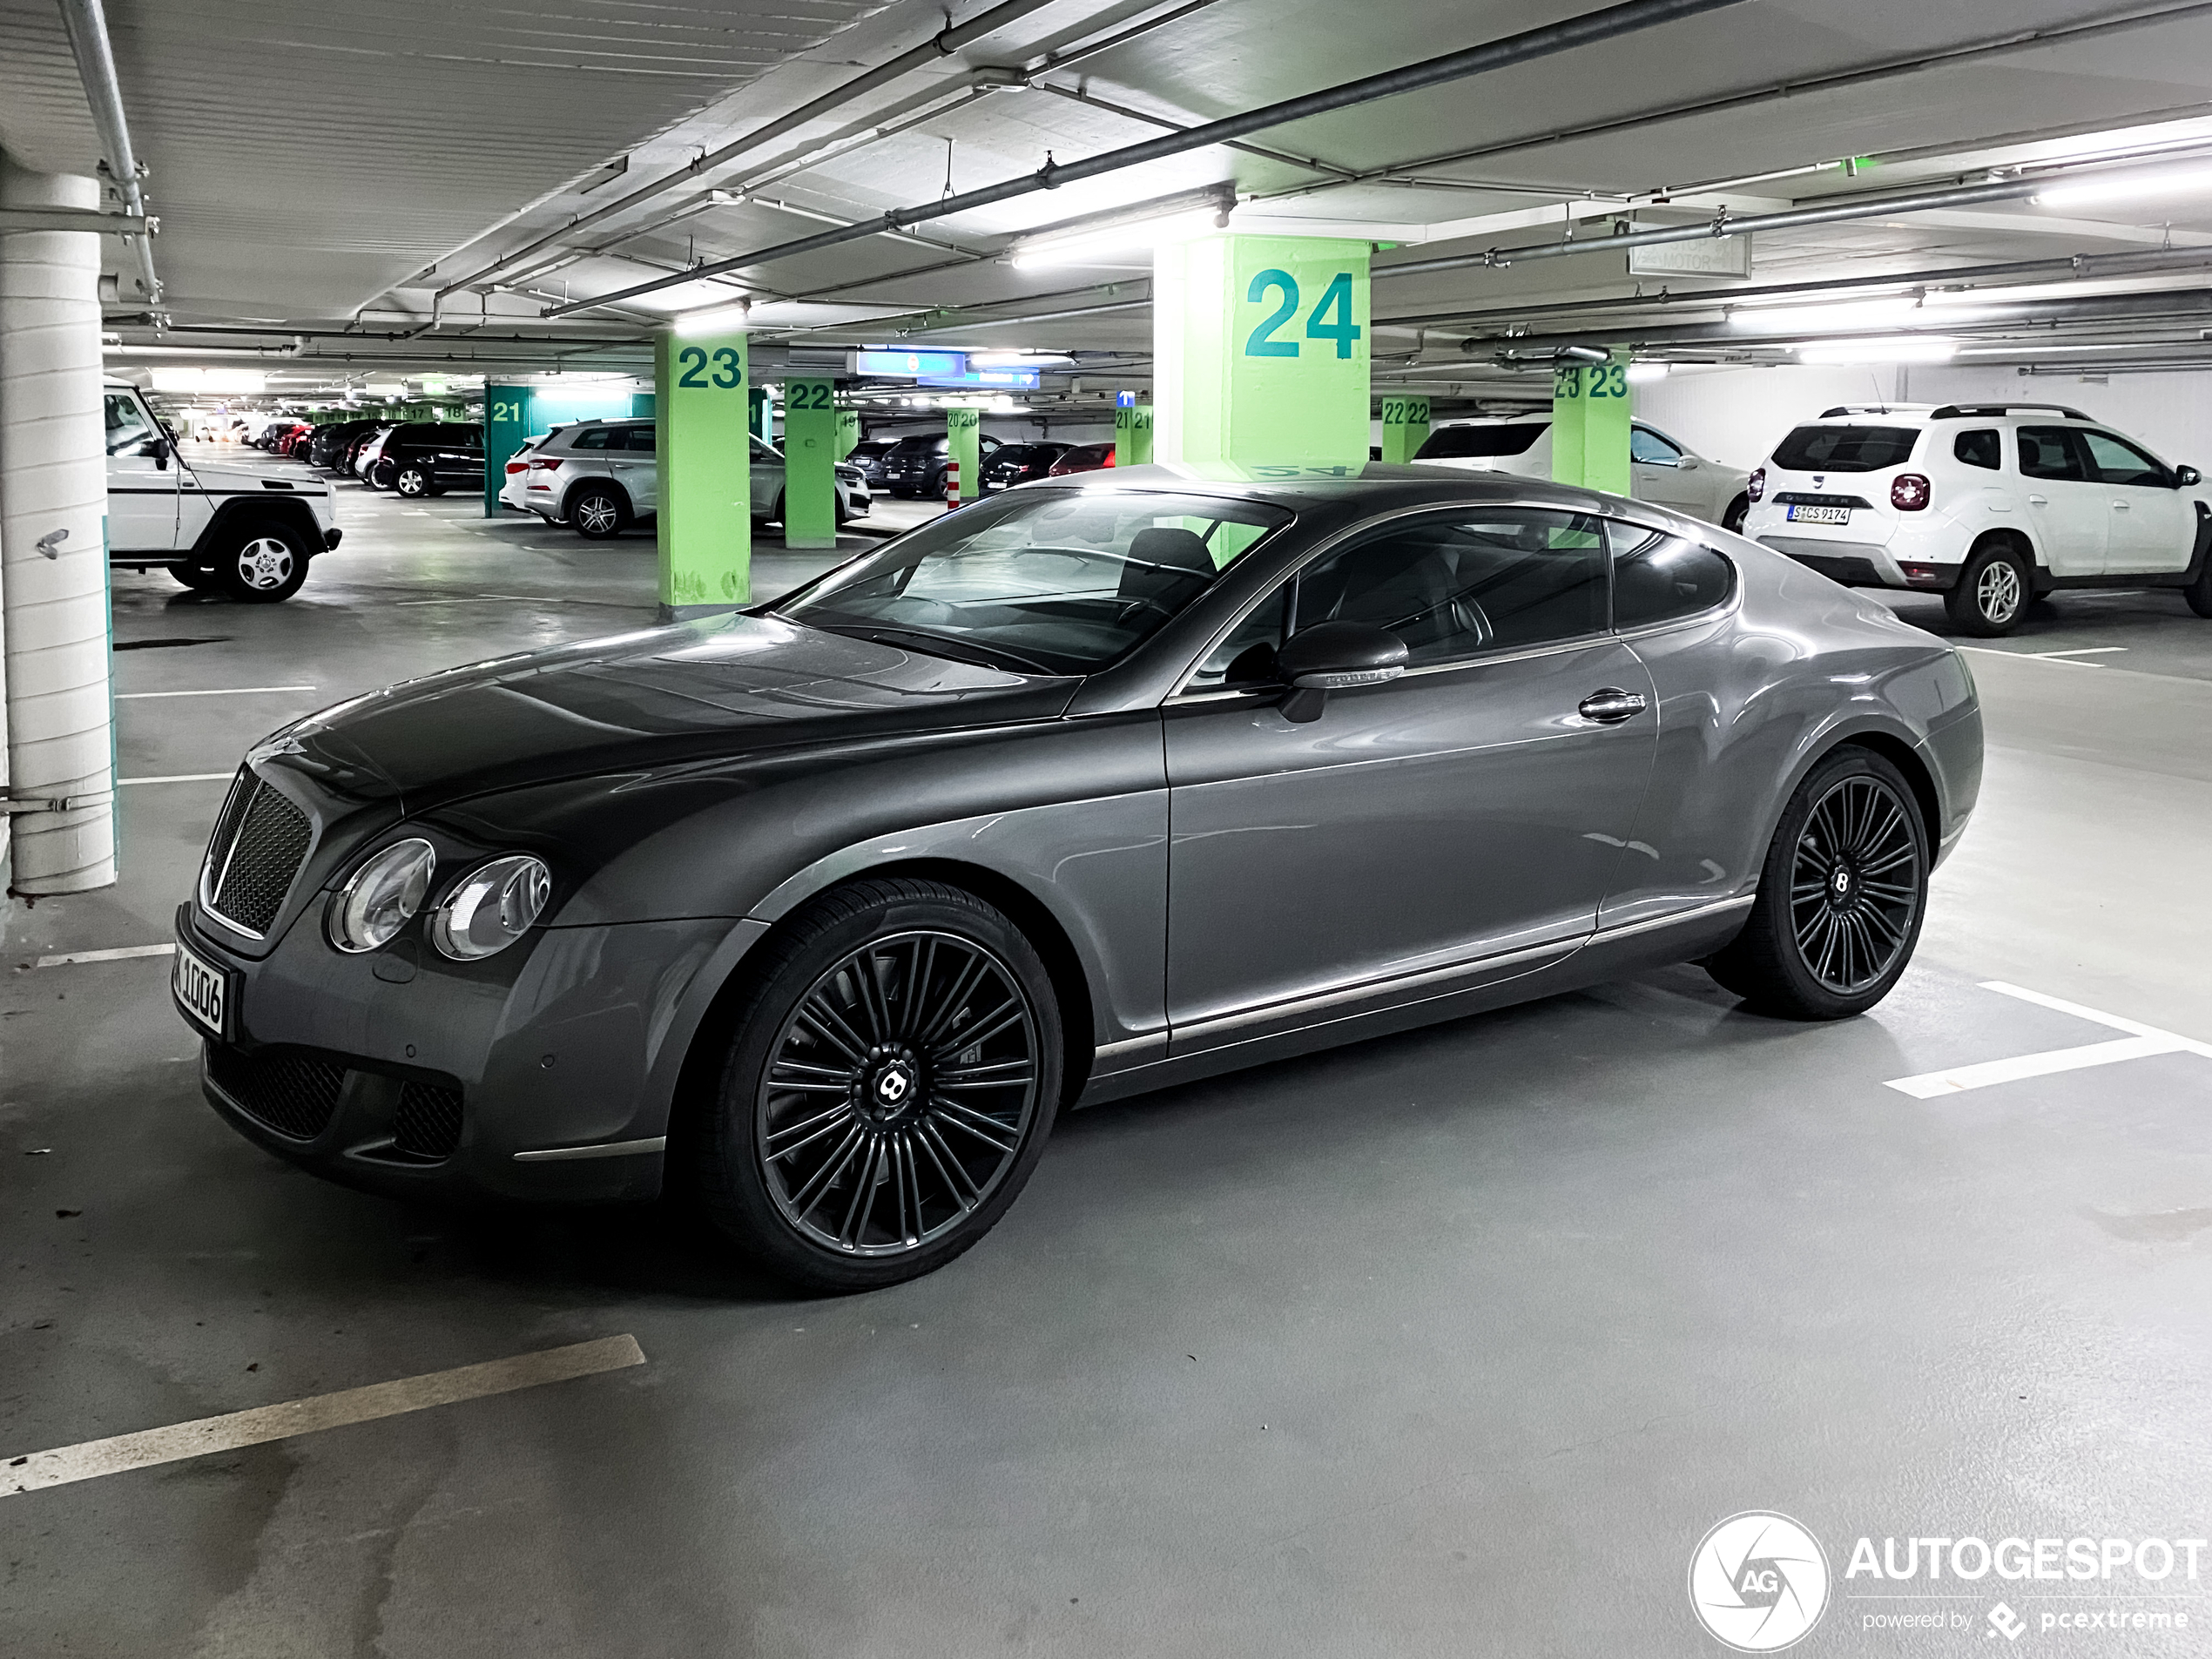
[{"x": 937, "y": 645}]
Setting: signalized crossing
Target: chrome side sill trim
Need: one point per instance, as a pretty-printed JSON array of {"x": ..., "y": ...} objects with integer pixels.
[
  {"x": 1652, "y": 924},
  {"x": 1367, "y": 989},
  {"x": 602, "y": 1149},
  {"x": 1129, "y": 1046}
]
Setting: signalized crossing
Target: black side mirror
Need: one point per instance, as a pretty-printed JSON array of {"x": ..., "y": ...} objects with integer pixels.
[
  {"x": 2188, "y": 477},
  {"x": 159, "y": 450},
  {"x": 1334, "y": 657}
]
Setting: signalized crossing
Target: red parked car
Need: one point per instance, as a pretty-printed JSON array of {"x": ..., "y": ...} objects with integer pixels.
[{"x": 1084, "y": 457}]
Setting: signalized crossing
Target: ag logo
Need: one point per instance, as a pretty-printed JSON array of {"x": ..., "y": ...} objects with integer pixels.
[{"x": 1758, "y": 1581}]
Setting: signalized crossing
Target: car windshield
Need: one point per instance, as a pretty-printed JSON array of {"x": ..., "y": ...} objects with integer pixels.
[
  {"x": 1040, "y": 581},
  {"x": 1481, "y": 442},
  {"x": 1846, "y": 449}
]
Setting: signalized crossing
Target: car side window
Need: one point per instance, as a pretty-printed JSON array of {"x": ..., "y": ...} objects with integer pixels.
[
  {"x": 2049, "y": 452},
  {"x": 596, "y": 437},
  {"x": 125, "y": 426},
  {"x": 1658, "y": 577},
  {"x": 2119, "y": 462},
  {"x": 1247, "y": 656},
  {"x": 1978, "y": 448},
  {"x": 1474, "y": 579},
  {"x": 642, "y": 440},
  {"x": 1648, "y": 446}
]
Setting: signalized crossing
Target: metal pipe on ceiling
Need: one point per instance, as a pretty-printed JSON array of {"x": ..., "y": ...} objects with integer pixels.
[
  {"x": 1631, "y": 17},
  {"x": 940, "y": 45},
  {"x": 86, "y": 25},
  {"x": 1889, "y": 68},
  {"x": 1722, "y": 225},
  {"x": 2078, "y": 267},
  {"x": 2065, "y": 311}
]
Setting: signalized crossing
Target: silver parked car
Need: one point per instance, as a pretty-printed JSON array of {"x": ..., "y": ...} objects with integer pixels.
[
  {"x": 826, "y": 910},
  {"x": 602, "y": 476}
]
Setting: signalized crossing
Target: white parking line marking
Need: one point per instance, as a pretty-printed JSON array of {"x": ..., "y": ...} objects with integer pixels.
[
  {"x": 2028, "y": 657},
  {"x": 2079, "y": 650},
  {"x": 2144, "y": 1039},
  {"x": 228, "y": 690},
  {"x": 91, "y": 1458},
  {"x": 181, "y": 777},
  {"x": 123, "y": 954}
]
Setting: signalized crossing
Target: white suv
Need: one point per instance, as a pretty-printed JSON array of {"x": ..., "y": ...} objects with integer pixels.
[
  {"x": 1660, "y": 469},
  {"x": 602, "y": 476},
  {"x": 1989, "y": 504},
  {"x": 246, "y": 530}
]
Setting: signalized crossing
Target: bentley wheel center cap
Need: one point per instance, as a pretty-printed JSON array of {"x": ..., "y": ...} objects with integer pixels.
[
  {"x": 894, "y": 1085},
  {"x": 1839, "y": 883}
]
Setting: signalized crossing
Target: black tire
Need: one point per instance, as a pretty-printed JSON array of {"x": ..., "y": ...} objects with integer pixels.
[
  {"x": 598, "y": 512},
  {"x": 1842, "y": 895},
  {"x": 2199, "y": 592},
  {"x": 192, "y": 576},
  {"x": 1739, "y": 510},
  {"x": 777, "y": 514},
  {"x": 411, "y": 480},
  {"x": 1995, "y": 587},
  {"x": 262, "y": 563},
  {"x": 816, "y": 1211}
]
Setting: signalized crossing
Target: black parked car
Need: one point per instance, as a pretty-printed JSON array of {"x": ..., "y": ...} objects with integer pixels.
[
  {"x": 827, "y": 908},
  {"x": 915, "y": 466},
  {"x": 868, "y": 457},
  {"x": 330, "y": 445},
  {"x": 1017, "y": 463},
  {"x": 428, "y": 458}
]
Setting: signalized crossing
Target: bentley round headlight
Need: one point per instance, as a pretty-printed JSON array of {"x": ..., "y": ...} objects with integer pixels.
[
  {"x": 492, "y": 908},
  {"x": 383, "y": 893}
]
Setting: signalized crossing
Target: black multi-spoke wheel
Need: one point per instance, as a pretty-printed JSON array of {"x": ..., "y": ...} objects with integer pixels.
[
  {"x": 889, "y": 1089},
  {"x": 1854, "y": 892},
  {"x": 1841, "y": 895},
  {"x": 900, "y": 1094}
]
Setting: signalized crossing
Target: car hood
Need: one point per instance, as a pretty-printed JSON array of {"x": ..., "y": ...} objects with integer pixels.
[
  {"x": 216, "y": 476},
  {"x": 698, "y": 691}
]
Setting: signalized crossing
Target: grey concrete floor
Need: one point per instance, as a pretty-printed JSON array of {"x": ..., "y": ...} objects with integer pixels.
[{"x": 1454, "y": 1343}]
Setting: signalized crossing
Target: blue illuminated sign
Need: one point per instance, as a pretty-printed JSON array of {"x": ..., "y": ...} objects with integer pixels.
[
  {"x": 1125, "y": 399},
  {"x": 911, "y": 365},
  {"x": 1011, "y": 380}
]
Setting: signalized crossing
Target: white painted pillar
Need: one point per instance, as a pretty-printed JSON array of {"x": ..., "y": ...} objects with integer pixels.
[{"x": 59, "y": 724}]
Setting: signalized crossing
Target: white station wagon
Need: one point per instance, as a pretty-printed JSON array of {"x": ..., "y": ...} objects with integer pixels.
[{"x": 1991, "y": 505}]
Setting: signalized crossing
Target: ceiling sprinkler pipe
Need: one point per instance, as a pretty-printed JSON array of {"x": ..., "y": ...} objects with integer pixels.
[
  {"x": 88, "y": 42},
  {"x": 1611, "y": 22}
]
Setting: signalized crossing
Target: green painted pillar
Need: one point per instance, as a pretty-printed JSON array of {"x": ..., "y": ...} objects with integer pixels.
[
  {"x": 705, "y": 517},
  {"x": 1260, "y": 354},
  {"x": 810, "y": 463},
  {"x": 965, "y": 427},
  {"x": 1132, "y": 434},
  {"x": 848, "y": 432},
  {"x": 507, "y": 428},
  {"x": 641, "y": 405},
  {"x": 1405, "y": 424},
  {"x": 1590, "y": 424},
  {"x": 760, "y": 419}
]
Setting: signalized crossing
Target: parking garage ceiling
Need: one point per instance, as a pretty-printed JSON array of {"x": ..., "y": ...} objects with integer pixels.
[{"x": 450, "y": 170}]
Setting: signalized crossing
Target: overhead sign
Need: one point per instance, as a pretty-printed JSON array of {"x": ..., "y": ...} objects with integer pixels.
[
  {"x": 1713, "y": 256},
  {"x": 911, "y": 365},
  {"x": 1022, "y": 380},
  {"x": 1125, "y": 399}
]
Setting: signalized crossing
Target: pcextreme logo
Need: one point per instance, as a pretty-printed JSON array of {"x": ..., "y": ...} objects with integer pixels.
[{"x": 1758, "y": 1581}]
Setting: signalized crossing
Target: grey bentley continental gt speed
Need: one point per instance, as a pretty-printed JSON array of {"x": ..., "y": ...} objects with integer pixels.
[{"x": 821, "y": 912}]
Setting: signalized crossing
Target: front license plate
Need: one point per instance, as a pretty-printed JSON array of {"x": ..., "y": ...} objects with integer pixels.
[
  {"x": 203, "y": 989},
  {"x": 1801, "y": 514}
]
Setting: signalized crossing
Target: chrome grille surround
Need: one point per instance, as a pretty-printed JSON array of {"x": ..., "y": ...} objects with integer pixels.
[{"x": 261, "y": 842}]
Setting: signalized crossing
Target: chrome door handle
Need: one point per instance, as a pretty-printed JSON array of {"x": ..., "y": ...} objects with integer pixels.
[
  {"x": 2038, "y": 500},
  {"x": 1610, "y": 705},
  {"x": 2120, "y": 507}
]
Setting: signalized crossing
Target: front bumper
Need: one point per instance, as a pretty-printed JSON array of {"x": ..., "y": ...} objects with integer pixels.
[{"x": 401, "y": 1073}]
